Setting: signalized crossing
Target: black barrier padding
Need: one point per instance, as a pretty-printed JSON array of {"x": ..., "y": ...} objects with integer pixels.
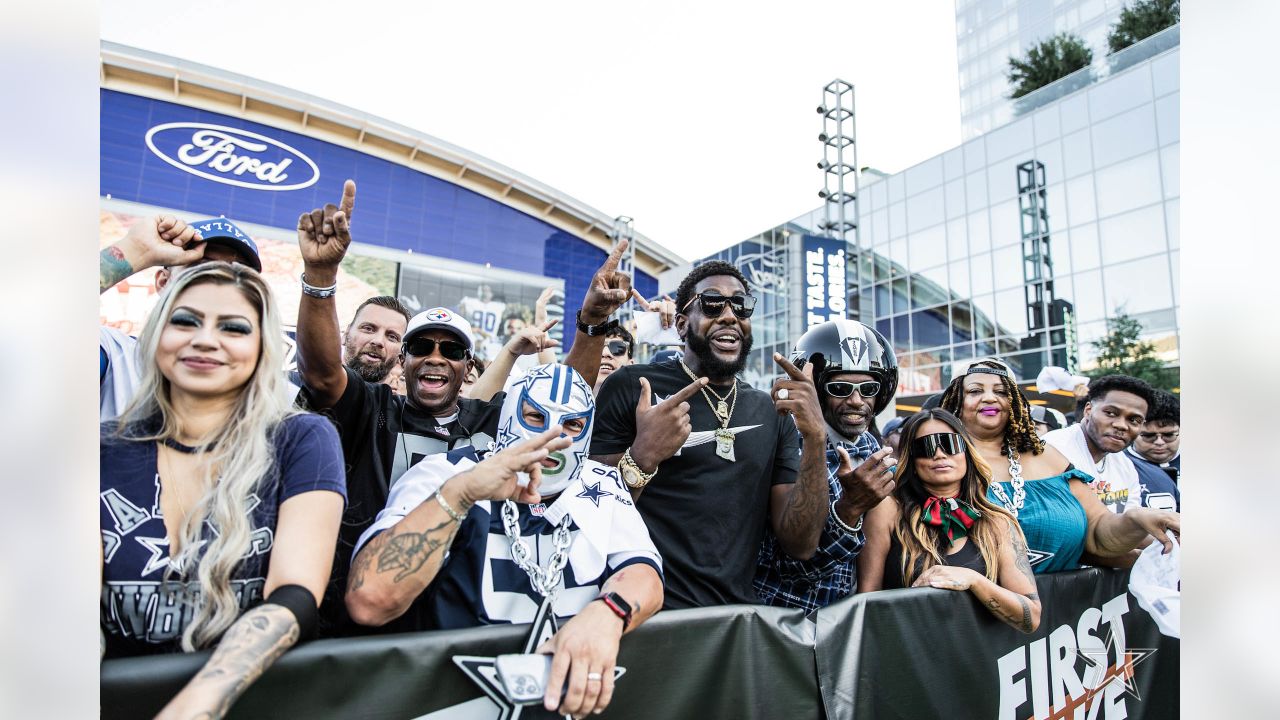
[
  {"x": 926, "y": 653},
  {"x": 896, "y": 654}
]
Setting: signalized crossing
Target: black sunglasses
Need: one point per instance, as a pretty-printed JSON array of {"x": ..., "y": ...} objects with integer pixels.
[
  {"x": 712, "y": 304},
  {"x": 844, "y": 388},
  {"x": 616, "y": 348},
  {"x": 927, "y": 446},
  {"x": 424, "y": 346}
]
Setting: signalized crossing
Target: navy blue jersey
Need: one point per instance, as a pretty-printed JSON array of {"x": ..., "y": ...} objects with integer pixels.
[
  {"x": 479, "y": 583},
  {"x": 1158, "y": 489},
  {"x": 140, "y": 611}
]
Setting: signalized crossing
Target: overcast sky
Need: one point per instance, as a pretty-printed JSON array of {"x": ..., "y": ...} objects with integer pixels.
[{"x": 695, "y": 118}]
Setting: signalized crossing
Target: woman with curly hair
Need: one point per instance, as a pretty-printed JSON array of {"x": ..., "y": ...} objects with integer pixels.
[
  {"x": 1059, "y": 512},
  {"x": 938, "y": 529},
  {"x": 220, "y": 502}
]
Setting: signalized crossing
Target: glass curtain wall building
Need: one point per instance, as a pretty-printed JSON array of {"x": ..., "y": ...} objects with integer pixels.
[
  {"x": 989, "y": 32},
  {"x": 1020, "y": 243}
]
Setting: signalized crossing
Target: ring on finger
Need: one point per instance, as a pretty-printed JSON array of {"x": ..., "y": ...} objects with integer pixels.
[
  {"x": 594, "y": 677},
  {"x": 783, "y": 394}
]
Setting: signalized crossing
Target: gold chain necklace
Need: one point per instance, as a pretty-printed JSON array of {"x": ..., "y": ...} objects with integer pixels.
[{"x": 723, "y": 411}]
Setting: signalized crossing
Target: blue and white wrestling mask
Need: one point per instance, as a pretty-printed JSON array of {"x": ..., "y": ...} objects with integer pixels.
[{"x": 559, "y": 395}]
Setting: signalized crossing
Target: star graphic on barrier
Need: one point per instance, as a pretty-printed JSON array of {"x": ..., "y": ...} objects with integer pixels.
[
  {"x": 482, "y": 672},
  {"x": 593, "y": 493},
  {"x": 1099, "y": 661}
]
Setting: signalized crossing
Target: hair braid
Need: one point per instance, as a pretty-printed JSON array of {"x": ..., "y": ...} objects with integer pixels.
[{"x": 1020, "y": 431}]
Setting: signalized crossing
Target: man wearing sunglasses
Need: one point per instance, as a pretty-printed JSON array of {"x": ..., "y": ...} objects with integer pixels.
[
  {"x": 713, "y": 461},
  {"x": 619, "y": 351},
  {"x": 857, "y": 374},
  {"x": 384, "y": 434},
  {"x": 1155, "y": 454}
]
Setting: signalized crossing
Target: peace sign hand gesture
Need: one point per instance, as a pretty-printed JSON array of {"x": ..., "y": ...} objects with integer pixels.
[{"x": 609, "y": 289}]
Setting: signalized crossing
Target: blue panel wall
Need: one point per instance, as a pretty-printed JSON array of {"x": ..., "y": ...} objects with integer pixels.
[{"x": 396, "y": 207}]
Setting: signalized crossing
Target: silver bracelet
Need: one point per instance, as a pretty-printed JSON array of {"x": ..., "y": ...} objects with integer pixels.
[
  {"x": 841, "y": 523},
  {"x": 319, "y": 293},
  {"x": 444, "y": 505}
]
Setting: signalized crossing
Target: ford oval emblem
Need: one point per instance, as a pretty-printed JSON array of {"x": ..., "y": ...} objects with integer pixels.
[{"x": 232, "y": 156}]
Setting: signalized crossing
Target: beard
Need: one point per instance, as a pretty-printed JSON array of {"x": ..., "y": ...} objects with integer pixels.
[
  {"x": 709, "y": 363},
  {"x": 371, "y": 372}
]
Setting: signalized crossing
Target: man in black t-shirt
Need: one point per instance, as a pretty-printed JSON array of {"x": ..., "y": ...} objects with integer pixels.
[
  {"x": 723, "y": 457},
  {"x": 383, "y": 434}
]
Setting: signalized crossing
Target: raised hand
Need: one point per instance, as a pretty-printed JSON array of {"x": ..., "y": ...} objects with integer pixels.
[
  {"x": 666, "y": 307},
  {"x": 494, "y": 478},
  {"x": 540, "y": 307},
  {"x": 324, "y": 234},
  {"x": 662, "y": 429},
  {"x": 609, "y": 289},
  {"x": 157, "y": 242},
  {"x": 798, "y": 396},
  {"x": 532, "y": 339}
]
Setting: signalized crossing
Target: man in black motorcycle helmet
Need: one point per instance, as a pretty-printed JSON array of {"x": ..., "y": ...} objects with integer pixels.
[{"x": 856, "y": 374}]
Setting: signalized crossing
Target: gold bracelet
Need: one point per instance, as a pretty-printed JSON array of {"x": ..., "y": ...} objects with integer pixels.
[{"x": 444, "y": 505}]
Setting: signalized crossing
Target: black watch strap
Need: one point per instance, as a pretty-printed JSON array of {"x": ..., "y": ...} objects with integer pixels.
[
  {"x": 620, "y": 607},
  {"x": 596, "y": 330}
]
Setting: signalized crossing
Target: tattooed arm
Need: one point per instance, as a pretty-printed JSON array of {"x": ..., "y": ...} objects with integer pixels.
[
  {"x": 394, "y": 567},
  {"x": 302, "y": 554},
  {"x": 150, "y": 242},
  {"x": 1014, "y": 599}
]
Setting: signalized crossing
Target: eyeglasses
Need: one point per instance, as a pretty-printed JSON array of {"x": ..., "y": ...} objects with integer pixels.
[
  {"x": 927, "y": 446},
  {"x": 1150, "y": 437},
  {"x": 424, "y": 346},
  {"x": 712, "y": 304},
  {"x": 844, "y": 388},
  {"x": 616, "y": 348}
]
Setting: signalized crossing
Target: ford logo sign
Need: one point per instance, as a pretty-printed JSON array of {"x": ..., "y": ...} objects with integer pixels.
[{"x": 232, "y": 156}]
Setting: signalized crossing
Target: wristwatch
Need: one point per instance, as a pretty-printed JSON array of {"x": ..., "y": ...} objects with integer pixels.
[
  {"x": 596, "y": 330},
  {"x": 632, "y": 475},
  {"x": 620, "y": 607}
]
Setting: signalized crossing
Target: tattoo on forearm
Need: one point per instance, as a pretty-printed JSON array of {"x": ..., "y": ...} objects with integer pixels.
[
  {"x": 360, "y": 566},
  {"x": 805, "y": 504},
  {"x": 112, "y": 267},
  {"x": 1026, "y": 614},
  {"x": 250, "y": 646},
  {"x": 1020, "y": 553},
  {"x": 409, "y": 551}
]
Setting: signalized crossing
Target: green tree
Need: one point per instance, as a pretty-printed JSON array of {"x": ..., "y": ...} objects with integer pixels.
[
  {"x": 1142, "y": 20},
  {"x": 1122, "y": 352},
  {"x": 1048, "y": 61}
]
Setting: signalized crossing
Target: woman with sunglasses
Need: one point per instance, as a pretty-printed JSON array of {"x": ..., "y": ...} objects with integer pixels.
[
  {"x": 938, "y": 529},
  {"x": 220, "y": 500},
  {"x": 1059, "y": 512}
]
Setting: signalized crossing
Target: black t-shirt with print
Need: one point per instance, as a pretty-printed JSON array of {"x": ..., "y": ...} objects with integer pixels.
[
  {"x": 706, "y": 515},
  {"x": 382, "y": 436}
]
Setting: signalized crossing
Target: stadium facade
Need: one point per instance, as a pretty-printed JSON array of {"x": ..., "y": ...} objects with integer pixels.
[
  {"x": 434, "y": 224},
  {"x": 1021, "y": 242}
]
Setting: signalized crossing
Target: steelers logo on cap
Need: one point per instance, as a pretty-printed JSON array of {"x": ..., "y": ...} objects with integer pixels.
[{"x": 439, "y": 315}]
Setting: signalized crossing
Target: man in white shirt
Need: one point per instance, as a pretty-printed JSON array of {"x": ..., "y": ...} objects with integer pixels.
[{"x": 1113, "y": 415}]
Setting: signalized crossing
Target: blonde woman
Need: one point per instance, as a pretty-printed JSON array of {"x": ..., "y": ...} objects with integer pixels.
[
  {"x": 938, "y": 529},
  {"x": 220, "y": 502}
]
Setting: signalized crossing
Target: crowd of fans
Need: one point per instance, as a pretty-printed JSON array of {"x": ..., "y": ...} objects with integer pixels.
[{"x": 394, "y": 483}]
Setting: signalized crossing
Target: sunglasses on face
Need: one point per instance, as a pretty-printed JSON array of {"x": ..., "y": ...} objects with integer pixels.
[
  {"x": 927, "y": 446},
  {"x": 1150, "y": 437},
  {"x": 616, "y": 348},
  {"x": 423, "y": 347},
  {"x": 712, "y": 304},
  {"x": 844, "y": 388}
]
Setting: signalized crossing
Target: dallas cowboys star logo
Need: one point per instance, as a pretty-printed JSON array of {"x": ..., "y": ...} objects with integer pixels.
[
  {"x": 1103, "y": 673},
  {"x": 482, "y": 672},
  {"x": 593, "y": 493}
]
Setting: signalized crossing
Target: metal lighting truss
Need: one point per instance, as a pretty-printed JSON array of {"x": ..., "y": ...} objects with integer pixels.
[{"x": 839, "y": 166}]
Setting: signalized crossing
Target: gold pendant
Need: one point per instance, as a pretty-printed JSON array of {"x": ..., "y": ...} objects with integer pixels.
[
  {"x": 724, "y": 444},
  {"x": 722, "y": 410}
]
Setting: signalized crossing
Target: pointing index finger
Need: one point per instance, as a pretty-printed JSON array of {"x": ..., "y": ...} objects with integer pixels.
[
  {"x": 686, "y": 392},
  {"x": 348, "y": 203},
  {"x": 611, "y": 263},
  {"x": 789, "y": 367},
  {"x": 644, "y": 304}
]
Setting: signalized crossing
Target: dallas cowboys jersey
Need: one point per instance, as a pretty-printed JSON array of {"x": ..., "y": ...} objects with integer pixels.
[
  {"x": 483, "y": 316},
  {"x": 479, "y": 583},
  {"x": 139, "y": 611}
]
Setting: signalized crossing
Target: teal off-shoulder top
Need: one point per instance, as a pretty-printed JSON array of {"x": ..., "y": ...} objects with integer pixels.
[{"x": 1052, "y": 520}]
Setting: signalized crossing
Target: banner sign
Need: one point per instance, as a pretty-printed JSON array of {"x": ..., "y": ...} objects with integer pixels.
[
  {"x": 918, "y": 653},
  {"x": 824, "y": 279}
]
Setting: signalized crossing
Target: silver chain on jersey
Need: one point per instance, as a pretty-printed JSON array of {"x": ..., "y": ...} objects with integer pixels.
[
  {"x": 1015, "y": 481},
  {"x": 544, "y": 581}
]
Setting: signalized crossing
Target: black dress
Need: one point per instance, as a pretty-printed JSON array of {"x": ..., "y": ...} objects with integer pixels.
[{"x": 967, "y": 556}]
